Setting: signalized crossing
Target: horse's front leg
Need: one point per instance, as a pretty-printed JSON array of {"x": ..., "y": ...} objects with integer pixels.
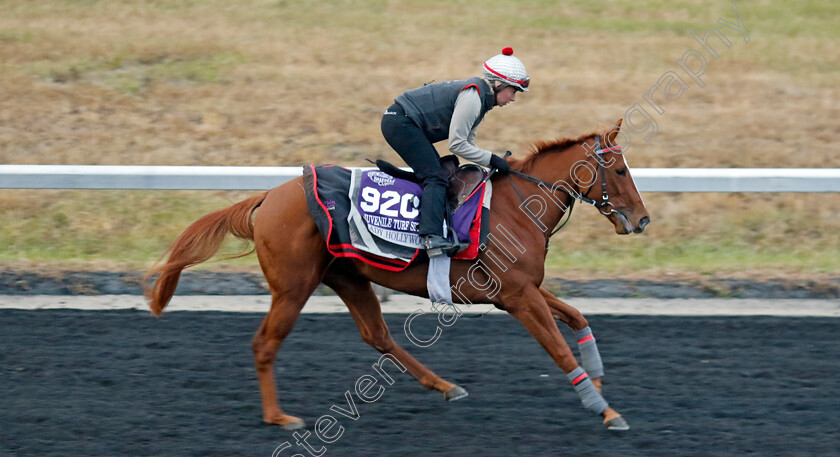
[
  {"x": 531, "y": 309},
  {"x": 590, "y": 358}
]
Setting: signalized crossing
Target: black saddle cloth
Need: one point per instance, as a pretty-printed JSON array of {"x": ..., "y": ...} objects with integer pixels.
[{"x": 462, "y": 179}]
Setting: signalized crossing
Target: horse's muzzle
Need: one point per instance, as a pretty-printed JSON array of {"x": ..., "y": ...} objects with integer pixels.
[{"x": 643, "y": 222}]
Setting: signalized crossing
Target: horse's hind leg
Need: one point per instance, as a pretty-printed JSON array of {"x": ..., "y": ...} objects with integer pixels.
[
  {"x": 590, "y": 358},
  {"x": 360, "y": 298},
  {"x": 267, "y": 341},
  {"x": 293, "y": 259}
]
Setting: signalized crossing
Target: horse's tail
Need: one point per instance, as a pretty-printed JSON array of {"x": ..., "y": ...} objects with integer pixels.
[{"x": 199, "y": 242}]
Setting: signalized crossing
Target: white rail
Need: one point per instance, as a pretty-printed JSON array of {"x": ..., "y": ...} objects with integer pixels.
[{"x": 261, "y": 178}]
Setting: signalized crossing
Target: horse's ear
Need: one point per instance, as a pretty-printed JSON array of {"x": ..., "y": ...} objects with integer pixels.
[{"x": 609, "y": 137}]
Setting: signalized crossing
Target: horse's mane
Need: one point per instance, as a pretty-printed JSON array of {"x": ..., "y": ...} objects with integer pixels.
[{"x": 559, "y": 145}]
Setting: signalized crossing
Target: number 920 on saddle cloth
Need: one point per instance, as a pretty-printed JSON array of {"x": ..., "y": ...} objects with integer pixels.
[{"x": 372, "y": 216}]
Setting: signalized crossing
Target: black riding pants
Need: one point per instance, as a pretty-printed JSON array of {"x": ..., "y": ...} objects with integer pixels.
[{"x": 417, "y": 151}]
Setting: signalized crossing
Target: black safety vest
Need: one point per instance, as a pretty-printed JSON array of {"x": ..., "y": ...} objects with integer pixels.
[{"x": 431, "y": 106}]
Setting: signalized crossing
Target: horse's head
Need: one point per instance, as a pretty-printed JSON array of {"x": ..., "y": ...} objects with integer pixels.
[
  {"x": 592, "y": 169},
  {"x": 612, "y": 187}
]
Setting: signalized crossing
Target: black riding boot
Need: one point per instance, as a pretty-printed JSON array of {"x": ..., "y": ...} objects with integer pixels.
[
  {"x": 432, "y": 214},
  {"x": 411, "y": 144}
]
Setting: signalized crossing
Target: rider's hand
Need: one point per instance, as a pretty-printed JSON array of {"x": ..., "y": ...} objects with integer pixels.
[{"x": 499, "y": 164}]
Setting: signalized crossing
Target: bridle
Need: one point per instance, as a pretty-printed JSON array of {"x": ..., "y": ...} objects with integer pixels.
[{"x": 601, "y": 205}]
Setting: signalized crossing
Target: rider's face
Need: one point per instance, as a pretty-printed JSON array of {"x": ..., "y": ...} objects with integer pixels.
[{"x": 506, "y": 95}]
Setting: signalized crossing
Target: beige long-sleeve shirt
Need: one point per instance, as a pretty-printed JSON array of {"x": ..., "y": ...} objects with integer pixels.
[{"x": 462, "y": 128}]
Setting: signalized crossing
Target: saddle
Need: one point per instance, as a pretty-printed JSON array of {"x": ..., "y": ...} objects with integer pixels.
[
  {"x": 372, "y": 215},
  {"x": 463, "y": 179}
]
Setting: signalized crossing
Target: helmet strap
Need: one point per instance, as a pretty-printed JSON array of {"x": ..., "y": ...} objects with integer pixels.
[{"x": 497, "y": 85}]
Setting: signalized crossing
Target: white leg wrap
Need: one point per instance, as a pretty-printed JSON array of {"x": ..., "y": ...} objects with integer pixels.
[
  {"x": 589, "y": 396},
  {"x": 590, "y": 358}
]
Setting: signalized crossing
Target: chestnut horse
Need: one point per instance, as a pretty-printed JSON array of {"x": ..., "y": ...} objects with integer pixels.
[{"x": 525, "y": 206}]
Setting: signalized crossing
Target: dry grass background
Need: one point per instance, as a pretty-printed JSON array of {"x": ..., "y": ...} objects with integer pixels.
[{"x": 188, "y": 82}]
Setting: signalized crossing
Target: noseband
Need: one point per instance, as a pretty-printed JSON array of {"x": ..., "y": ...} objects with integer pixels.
[
  {"x": 601, "y": 205},
  {"x": 605, "y": 198}
]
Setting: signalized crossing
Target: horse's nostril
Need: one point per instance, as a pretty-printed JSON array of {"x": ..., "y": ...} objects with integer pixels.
[{"x": 643, "y": 222}]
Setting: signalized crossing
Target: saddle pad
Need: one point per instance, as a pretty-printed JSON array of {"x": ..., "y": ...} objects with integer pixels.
[
  {"x": 386, "y": 207},
  {"x": 372, "y": 216}
]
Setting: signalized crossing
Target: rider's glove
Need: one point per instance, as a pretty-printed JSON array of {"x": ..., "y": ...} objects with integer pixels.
[{"x": 499, "y": 164}]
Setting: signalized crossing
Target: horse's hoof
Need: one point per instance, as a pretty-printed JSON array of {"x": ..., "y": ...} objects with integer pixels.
[
  {"x": 455, "y": 393},
  {"x": 285, "y": 421},
  {"x": 617, "y": 424},
  {"x": 294, "y": 425}
]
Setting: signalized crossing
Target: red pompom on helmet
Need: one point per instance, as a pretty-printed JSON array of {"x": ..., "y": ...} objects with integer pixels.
[{"x": 507, "y": 69}]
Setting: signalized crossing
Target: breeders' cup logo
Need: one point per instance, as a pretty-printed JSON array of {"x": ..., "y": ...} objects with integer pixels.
[{"x": 381, "y": 179}]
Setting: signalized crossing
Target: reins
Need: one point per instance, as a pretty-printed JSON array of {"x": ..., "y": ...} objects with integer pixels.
[
  {"x": 605, "y": 199},
  {"x": 538, "y": 181}
]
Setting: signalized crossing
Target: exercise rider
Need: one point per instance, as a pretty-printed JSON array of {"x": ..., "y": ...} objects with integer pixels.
[{"x": 449, "y": 110}]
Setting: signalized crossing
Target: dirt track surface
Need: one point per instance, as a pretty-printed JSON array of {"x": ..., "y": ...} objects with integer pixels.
[
  {"x": 90, "y": 383},
  {"x": 24, "y": 282}
]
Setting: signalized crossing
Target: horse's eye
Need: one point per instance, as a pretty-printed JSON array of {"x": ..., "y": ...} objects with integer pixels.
[{"x": 621, "y": 172}]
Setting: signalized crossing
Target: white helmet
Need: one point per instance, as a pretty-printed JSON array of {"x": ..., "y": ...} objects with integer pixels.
[{"x": 507, "y": 69}]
